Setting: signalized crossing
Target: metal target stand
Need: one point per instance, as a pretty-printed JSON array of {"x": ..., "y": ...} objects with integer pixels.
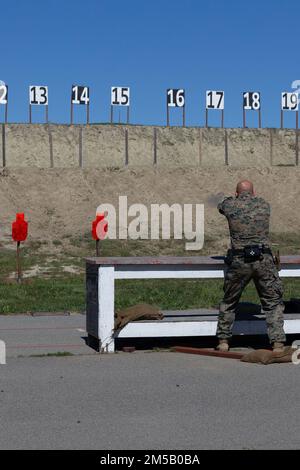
[
  {"x": 244, "y": 117},
  {"x": 289, "y": 102},
  {"x": 282, "y": 119},
  {"x": 38, "y": 104},
  {"x": 213, "y": 105},
  {"x": 221, "y": 121},
  {"x": 112, "y": 114},
  {"x": 175, "y": 93},
  {"x": 119, "y": 96},
  {"x": 46, "y": 113},
  {"x": 251, "y": 108},
  {"x": 80, "y": 102}
]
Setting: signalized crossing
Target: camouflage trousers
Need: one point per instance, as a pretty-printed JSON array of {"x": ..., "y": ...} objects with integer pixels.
[{"x": 269, "y": 288}]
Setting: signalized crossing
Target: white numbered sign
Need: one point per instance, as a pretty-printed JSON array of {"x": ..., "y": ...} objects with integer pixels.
[
  {"x": 120, "y": 96},
  {"x": 3, "y": 94},
  {"x": 80, "y": 94},
  {"x": 175, "y": 98},
  {"x": 38, "y": 95},
  {"x": 289, "y": 101},
  {"x": 251, "y": 100},
  {"x": 214, "y": 99}
]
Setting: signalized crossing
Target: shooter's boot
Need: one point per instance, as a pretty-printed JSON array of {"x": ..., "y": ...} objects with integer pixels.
[
  {"x": 278, "y": 347},
  {"x": 223, "y": 345}
]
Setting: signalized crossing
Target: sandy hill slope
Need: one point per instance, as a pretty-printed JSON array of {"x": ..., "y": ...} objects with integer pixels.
[{"x": 62, "y": 202}]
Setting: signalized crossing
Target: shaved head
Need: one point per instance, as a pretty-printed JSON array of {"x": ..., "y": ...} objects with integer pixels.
[{"x": 244, "y": 186}]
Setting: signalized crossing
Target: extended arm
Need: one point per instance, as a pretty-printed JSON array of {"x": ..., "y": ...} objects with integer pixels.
[{"x": 224, "y": 204}]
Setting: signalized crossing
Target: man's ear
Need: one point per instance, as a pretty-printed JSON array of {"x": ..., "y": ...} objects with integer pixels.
[{"x": 236, "y": 194}]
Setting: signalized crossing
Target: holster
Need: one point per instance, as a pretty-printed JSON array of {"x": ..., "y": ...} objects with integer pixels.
[
  {"x": 276, "y": 259},
  {"x": 228, "y": 258}
]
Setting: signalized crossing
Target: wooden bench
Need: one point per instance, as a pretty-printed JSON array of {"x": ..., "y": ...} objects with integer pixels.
[{"x": 102, "y": 272}]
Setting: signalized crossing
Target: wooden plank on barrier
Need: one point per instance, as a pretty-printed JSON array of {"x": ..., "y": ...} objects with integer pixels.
[{"x": 209, "y": 352}]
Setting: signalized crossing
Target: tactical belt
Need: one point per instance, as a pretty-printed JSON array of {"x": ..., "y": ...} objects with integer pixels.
[
  {"x": 241, "y": 252},
  {"x": 250, "y": 253}
]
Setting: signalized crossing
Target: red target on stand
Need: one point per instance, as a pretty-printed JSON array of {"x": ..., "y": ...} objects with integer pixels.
[
  {"x": 99, "y": 229},
  {"x": 19, "y": 234}
]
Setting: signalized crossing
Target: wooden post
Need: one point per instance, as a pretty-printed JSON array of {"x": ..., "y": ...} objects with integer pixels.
[
  {"x": 126, "y": 147},
  {"x": 71, "y": 117},
  {"x": 80, "y": 148},
  {"x": 297, "y": 146},
  {"x": 3, "y": 146},
  {"x": 50, "y": 147},
  {"x": 19, "y": 269},
  {"x": 88, "y": 113},
  {"x": 168, "y": 114},
  {"x": 259, "y": 119},
  {"x": 271, "y": 147},
  {"x": 154, "y": 146},
  {"x": 6, "y": 106},
  {"x": 226, "y": 148}
]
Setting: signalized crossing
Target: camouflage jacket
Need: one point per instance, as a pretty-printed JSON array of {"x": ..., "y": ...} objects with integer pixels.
[{"x": 248, "y": 218}]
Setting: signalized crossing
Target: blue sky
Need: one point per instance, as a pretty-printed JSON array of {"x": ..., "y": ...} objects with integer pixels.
[{"x": 150, "y": 45}]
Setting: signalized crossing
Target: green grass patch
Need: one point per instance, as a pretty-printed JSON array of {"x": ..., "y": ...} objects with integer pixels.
[
  {"x": 56, "y": 290},
  {"x": 54, "y": 354},
  {"x": 176, "y": 294},
  {"x": 42, "y": 295},
  {"x": 29, "y": 257},
  {"x": 68, "y": 294}
]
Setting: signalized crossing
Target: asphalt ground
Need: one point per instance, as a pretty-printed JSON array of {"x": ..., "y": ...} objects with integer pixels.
[
  {"x": 140, "y": 400},
  {"x": 147, "y": 400},
  {"x": 26, "y": 335}
]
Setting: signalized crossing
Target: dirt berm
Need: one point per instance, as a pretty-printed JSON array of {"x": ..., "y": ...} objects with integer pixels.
[{"x": 62, "y": 202}]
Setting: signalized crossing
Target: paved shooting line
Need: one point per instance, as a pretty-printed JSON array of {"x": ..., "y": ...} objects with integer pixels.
[
  {"x": 147, "y": 400},
  {"x": 27, "y": 335}
]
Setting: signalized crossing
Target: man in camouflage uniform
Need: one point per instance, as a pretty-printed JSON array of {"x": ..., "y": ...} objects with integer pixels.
[{"x": 250, "y": 257}]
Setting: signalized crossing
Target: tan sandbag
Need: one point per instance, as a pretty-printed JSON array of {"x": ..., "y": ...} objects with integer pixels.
[
  {"x": 136, "y": 312},
  {"x": 265, "y": 356}
]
